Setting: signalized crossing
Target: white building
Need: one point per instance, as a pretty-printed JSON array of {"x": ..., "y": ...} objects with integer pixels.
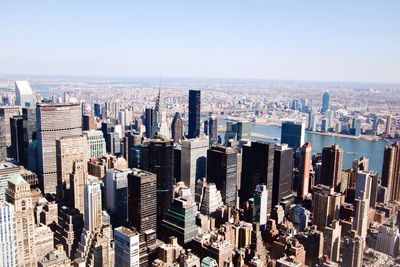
[
  {"x": 126, "y": 242},
  {"x": 8, "y": 248},
  {"x": 92, "y": 204},
  {"x": 211, "y": 199},
  {"x": 387, "y": 239},
  {"x": 24, "y": 94},
  {"x": 97, "y": 144},
  {"x": 260, "y": 205},
  {"x": 194, "y": 160}
]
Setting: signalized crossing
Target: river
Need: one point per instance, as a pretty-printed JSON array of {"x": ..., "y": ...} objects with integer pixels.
[{"x": 353, "y": 148}]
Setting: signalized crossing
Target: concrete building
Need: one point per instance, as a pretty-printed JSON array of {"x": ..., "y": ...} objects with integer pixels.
[
  {"x": 56, "y": 258},
  {"x": 18, "y": 193},
  {"x": 388, "y": 240},
  {"x": 332, "y": 164},
  {"x": 92, "y": 205},
  {"x": 260, "y": 205},
  {"x": 177, "y": 128},
  {"x": 24, "y": 95},
  {"x": 126, "y": 247},
  {"x": 391, "y": 170},
  {"x": 360, "y": 222},
  {"x": 332, "y": 235},
  {"x": 353, "y": 250},
  {"x": 6, "y": 113},
  {"x": 304, "y": 171},
  {"x": 69, "y": 149},
  {"x": 54, "y": 121},
  {"x": 96, "y": 142},
  {"x": 7, "y": 170},
  {"x": 193, "y": 160},
  {"x": 208, "y": 197},
  {"x": 44, "y": 241},
  {"x": 78, "y": 179},
  {"x": 326, "y": 206},
  {"x": 8, "y": 245}
]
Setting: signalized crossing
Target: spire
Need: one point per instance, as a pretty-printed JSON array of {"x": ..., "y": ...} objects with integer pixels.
[{"x": 158, "y": 101}]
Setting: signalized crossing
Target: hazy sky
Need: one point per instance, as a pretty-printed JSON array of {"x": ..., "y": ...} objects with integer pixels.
[{"x": 305, "y": 40}]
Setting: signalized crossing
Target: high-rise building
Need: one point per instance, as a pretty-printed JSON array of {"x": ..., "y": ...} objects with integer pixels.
[
  {"x": 388, "y": 129},
  {"x": 360, "y": 221},
  {"x": 157, "y": 158},
  {"x": 332, "y": 162},
  {"x": 8, "y": 256},
  {"x": 243, "y": 130},
  {"x": 18, "y": 193},
  {"x": 54, "y": 121},
  {"x": 78, "y": 178},
  {"x": 24, "y": 94},
  {"x": 44, "y": 240},
  {"x": 300, "y": 217},
  {"x": 332, "y": 234},
  {"x": 353, "y": 250},
  {"x": 260, "y": 206},
  {"x": 325, "y": 102},
  {"x": 208, "y": 197},
  {"x": 194, "y": 113},
  {"x": 18, "y": 150},
  {"x": 149, "y": 122},
  {"x": 326, "y": 205},
  {"x": 194, "y": 160},
  {"x": 177, "y": 128},
  {"x": 293, "y": 133},
  {"x": 7, "y": 171},
  {"x": 69, "y": 149},
  {"x": 213, "y": 129},
  {"x": 116, "y": 194},
  {"x": 69, "y": 229},
  {"x": 257, "y": 168},
  {"x": 142, "y": 200},
  {"x": 180, "y": 220},
  {"x": 126, "y": 247},
  {"x": 88, "y": 122},
  {"x": 283, "y": 174},
  {"x": 96, "y": 142},
  {"x": 304, "y": 171},
  {"x": 222, "y": 171},
  {"x": 92, "y": 204},
  {"x": 391, "y": 170},
  {"x": 6, "y": 113},
  {"x": 97, "y": 109}
]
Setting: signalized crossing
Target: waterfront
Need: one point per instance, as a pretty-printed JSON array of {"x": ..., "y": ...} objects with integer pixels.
[{"x": 353, "y": 148}]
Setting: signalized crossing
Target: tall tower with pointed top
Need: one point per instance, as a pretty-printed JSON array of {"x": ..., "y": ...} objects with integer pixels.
[{"x": 160, "y": 118}]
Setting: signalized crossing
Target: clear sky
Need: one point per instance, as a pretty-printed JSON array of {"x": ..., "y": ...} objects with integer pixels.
[{"x": 330, "y": 40}]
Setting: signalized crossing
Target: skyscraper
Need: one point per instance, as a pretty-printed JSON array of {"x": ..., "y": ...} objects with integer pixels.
[
  {"x": 332, "y": 234},
  {"x": 353, "y": 250},
  {"x": 283, "y": 174},
  {"x": 213, "y": 129},
  {"x": 177, "y": 128},
  {"x": 116, "y": 195},
  {"x": 18, "y": 194},
  {"x": 149, "y": 122},
  {"x": 126, "y": 247},
  {"x": 257, "y": 168},
  {"x": 332, "y": 162},
  {"x": 243, "y": 130},
  {"x": 96, "y": 142},
  {"x": 54, "y": 121},
  {"x": 222, "y": 171},
  {"x": 92, "y": 204},
  {"x": 326, "y": 205},
  {"x": 360, "y": 222},
  {"x": 24, "y": 94},
  {"x": 69, "y": 149},
  {"x": 78, "y": 178},
  {"x": 194, "y": 113},
  {"x": 388, "y": 129},
  {"x": 391, "y": 170},
  {"x": 18, "y": 150},
  {"x": 260, "y": 206},
  {"x": 325, "y": 102},
  {"x": 8, "y": 244},
  {"x": 142, "y": 200},
  {"x": 7, "y": 170},
  {"x": 157, "y": 157},
  {"x": 194, "y": 160},
  {"x": 6, "y": 113},
  {"x": 292, "y": 133},
  {"x": 304, "y": 171}
]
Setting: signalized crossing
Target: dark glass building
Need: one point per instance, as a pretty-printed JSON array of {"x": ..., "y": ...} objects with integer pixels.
[
  {"x": 194, "y": 113},
  {"x": 325, "y": 102},
  {"x": 142, "y": 200},
  {"x": 293, "y": 133},
  {"x": 149, "y": 122},
  {"x": 213, "y": 129},
  {"x": 283, "y": 174},
  {"x": 97, "y": 110},
  {"x": 222, "y": 170},
  {"x": 157, "y": 157},
  {"x": 18, "y": 149},
  {"x": 332, "y": 163},
  {"x": 257, "y": 168}
]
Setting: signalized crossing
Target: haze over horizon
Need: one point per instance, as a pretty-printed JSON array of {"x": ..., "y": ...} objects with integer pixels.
[{"x": 312, "y": 41}]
